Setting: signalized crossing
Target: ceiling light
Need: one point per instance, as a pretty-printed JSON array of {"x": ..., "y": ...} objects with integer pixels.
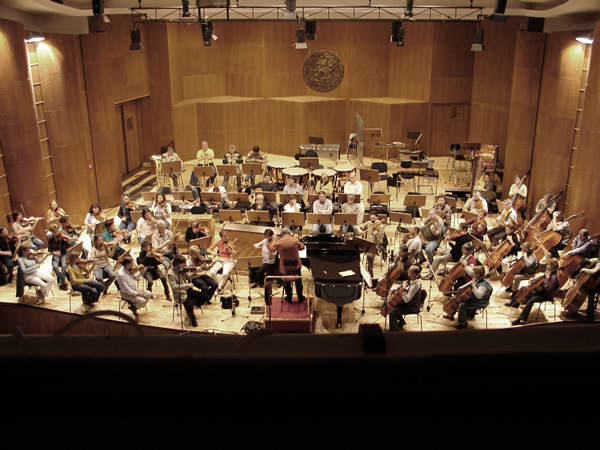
[
  {"x": 300, "y": 39},
  {"x": 185, "y": 4},
  {"x": 34, "y": 37},
  {"x": 207, "y": 33},
  {"x": 136, "y": 40},
  {"x": 585, "y": 38},
  {"x": 477, "y": 45},
  {"x": 498, "y": 14}
]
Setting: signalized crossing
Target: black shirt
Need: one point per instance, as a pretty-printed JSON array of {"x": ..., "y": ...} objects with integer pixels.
[
  {"x": 191, "y": 234},
  {"x": 55, "y": 243},
  {"x": 125, "y": 213},
  {"x": 147, "y": 261}
]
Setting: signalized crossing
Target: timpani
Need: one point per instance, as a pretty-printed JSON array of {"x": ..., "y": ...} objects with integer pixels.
[
  {"x": 298, "y": 173},
  {"x": 276, "y": 168},
  {"x": 343, "y": 172}
]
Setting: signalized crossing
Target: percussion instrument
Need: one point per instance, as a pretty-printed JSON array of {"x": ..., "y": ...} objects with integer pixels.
[
  {"x": 343, "y": 172},
  {"x": 275, "y": 169},
  {"x": 332, "y": 174},
  {"x": 298, "y": 173}
]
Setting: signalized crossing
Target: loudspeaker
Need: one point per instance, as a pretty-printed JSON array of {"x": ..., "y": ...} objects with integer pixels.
[
  {"x": 535, "y": 24},
  {"x": 396, "y": 27},
  {"x": 501, "y": 7},
  {"x": 310, "y": 26}
]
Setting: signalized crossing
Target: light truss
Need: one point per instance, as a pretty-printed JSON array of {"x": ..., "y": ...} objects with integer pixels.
[{"x": 320, "y": 13}]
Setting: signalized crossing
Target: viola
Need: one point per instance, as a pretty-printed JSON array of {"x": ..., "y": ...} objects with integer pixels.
[
  {"x": 392, "y": 302},
  {"x": 577, "y": 294},
  {"x": 461, "y": 295}
]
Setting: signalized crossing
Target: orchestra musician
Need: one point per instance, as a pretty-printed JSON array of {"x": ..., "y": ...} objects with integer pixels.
[
  {"x": 487, "y": 189},
  {"x": 518, "y": 188},
  {"x": 195, "y": 231},
  {"x": 54, "y": 212},
  {"x": 266, "y": 185},
  {"x": 268, "y": 257},
  {"x": 373, "y": 231},
  {"x": 411, "y": 298},
  {"x": 444, "y": 211},
  {"x": 127, "y": 280},
  {"x": 433, "y": 233},
  {"x": 225, "y": 250},
  {"x": 58, "y": 245},
  {"x": 7, "y": 250},
  {"x": 352, "y": 207},
  {"x": 151, "y": 261},
  {"x": 93, "y": 218},
  {"x": 23, "y": 229},
  {"x": 210, "y": 187},
  {"x": 233, "y": 158},
  {"x": 513, "y": 238},
  {"x": 508, "y": 217},
  {"x": 254, "y": 156},
  {"x": 547, "y": 291},
  {"x": 545, "y": 202},
  {"x": 146, "y": 226},
  {"x": 531, "y": 264},
  {"x": 584, "y": 246},
  {"x": 322, "y": 205},
  {"x": 413, "y": 243},
  {"x": 161, "y": 210},
  {"x": 164, "y": 244},
  {"x": 465, "y": 257},
  {"x": 288, "y": 248},
  {"x": 205, "y": 157},
  {"x": 480, "y": 298},
  {"x": 559, "y": 224},
  {"x": 112, "y": 237},
  {"x": 353, "y": 186},
  {"x": 171, "y": 156},
  {"x": 125, "y": 215},
  {"x": 261, "y": 205},
  {"x": 184, "y": 291},
  {"x": 325, "y": 185},
  {"x": 102, "y": 267},
  {"x": 475, "y": 203},
  {"x": 291, "y": 206},
  {"x": 202, "y": 277},
  {"x": 83, "y": 281},
  {"x": 292, "y": 187},
  {"x": 30, "y": 269}
]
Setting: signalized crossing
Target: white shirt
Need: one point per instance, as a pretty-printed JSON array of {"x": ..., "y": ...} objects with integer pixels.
[
  {"x": 162, "y": 213},
  {"x": 128, "y": 282},
  {"x": 353, "y": 188},
  {"x": 414, "y": 245},
  {"x": 159, "y": 239},
  {"x": 267, "y": 256},
  {"x": 290, "y": 208},
  {"x": 144, "y": 228},
  {"x": 322, "y": 208},
  {"x": 470, "y": 204}
]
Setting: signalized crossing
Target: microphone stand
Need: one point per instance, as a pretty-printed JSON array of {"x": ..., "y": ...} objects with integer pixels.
[{"x": 180, "y": 303}]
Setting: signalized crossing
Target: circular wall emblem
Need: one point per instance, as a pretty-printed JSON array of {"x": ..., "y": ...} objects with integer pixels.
[{"x": 323, "y": 71}]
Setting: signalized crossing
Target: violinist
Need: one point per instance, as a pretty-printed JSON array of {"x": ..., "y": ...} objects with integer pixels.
[
  {"x": 322, "y": 205},
  {"x": 546, "y": 291},
  {"x": 373, "y": 231},
  {"x": 23, "y": 228},
  {"x": 352, "y": 207},
  {"x": 225, "y": 252},
  {"x": 233, "y": 158},
  {"x": 82, "y": 281},
  {"x": 7, "y": 250},
  {"x": 125, "y": 214},
  {"x": 433, "y": 233},
  {"x": 163, "y": 244},
  {"x": 112, "y": 237},
  {"x": 127, "y": 280},
  {"x": 184, "y": 292},
  {"x": 480, "y": 298},
  {"x": 146, "y": 226},
  {"x": 93, "y": 218},
  {"x": 151, "y": 261},
  {"x": 68, "y": 230},
  {"x": 254, "y": 156},
  {"x": 195, "y": 231},
  {"x": 476, "y": 203},
  {"x": 559, "y": 224},
  {"x": 531, "y": 264},
  {"x": 30, "y": 269},
  {"x": 58, "y": 245},
  {"x": 210, "y": 187},
  {"x": 201, "y": 277},
  {"x": 411, "y": 298},
  {"x": 161, "y": 210},
  {"x": 54, "y": 212},
  {"x": 268, "y": 257},
  {"x": 102, "y": 267},
  {"x": 413, "y": 243}
]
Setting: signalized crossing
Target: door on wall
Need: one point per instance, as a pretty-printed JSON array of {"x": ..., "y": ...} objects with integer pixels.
[
  {"x": 449, "y": 125},
  {"x": 131, "y": 136}
]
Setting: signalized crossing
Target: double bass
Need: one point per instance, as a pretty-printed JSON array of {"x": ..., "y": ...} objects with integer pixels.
[
  {"x": 461, "y": 295},
  {"x": 518, "y": 202},
  {"x": 576, "y": 295},
  {"x": 539, "y": 222}
]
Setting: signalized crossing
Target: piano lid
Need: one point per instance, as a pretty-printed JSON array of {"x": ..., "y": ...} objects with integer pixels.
[{"x": 333, "y": 260}]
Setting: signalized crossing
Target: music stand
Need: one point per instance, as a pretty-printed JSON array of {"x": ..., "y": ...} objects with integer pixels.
[
  {"x": 379, "y": 198},
  {"x": 284, "y": 198},
  {"x": 77, "y": 248},
  {"x": 231, "y": 215},
  {"x": 258, "y": 216},
  {"x": 318, "y": 219},
  {"x": 148, "y": 196},
  {"x": 203, "y": 172},
  {"x": 309, "y": 163},
  {"x": 345, "y": 219},
  {"x": 238, "y": 197},
  {"x": 468, "y": 215},
  {"x": 269, "y": 196},
  {"x": 401, "y": 218},
  {"x": 370, "y": 175},
  {"x": 183, "y": 195},
  {"x": 252, "y": 169},
  {"x": 412, "y": 200},
  {"x": 252, "y": 262},
  {"x": 210, "y": 197},
  {"x": 292, "y": 219},
  {"x": 224, "y": 170},
  {"x": 343, "y": 198}
]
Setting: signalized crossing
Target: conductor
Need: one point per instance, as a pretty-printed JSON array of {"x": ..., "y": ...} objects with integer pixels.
[{"x": 289, "y": 262}]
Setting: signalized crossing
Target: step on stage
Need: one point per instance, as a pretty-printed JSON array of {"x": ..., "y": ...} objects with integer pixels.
[{"x": 291, "y": 317}]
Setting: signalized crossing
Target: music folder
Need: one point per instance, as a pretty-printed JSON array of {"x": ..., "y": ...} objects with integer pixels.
[
  {"x": 314, "y": 218},
  {"x": 258, "y": 216}
]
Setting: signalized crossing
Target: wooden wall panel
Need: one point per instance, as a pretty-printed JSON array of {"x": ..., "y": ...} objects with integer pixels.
[
  {"x": 61, "y": 77},
  {"x": 525, "y": 88},
  {"x": 492, "y": 80},
  {"x": 584, "y": 183},
  {"x": 185, "y": 130},
  {"x": 563, "y": 61},
  {"x": 452, "y": 63},
  {"x": 18, "y": 128}
]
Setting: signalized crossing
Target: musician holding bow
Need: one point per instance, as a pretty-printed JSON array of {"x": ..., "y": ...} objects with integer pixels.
[
  {"x": 82, "y": 280},
  {"x": 184, "y": 291},
  {"x": 562, "y": 226},
  {"x": 23, "y": 228},
  {"x": 225, "y": 250},
  {"x": 373, "y": 231},
  {"x": 151, "y": 261},
  {"x": 518, "y": 195},
  {"x": 546, "y": 291},
  {"x": 58, "y": 245},
  {"x": 127, "y": 280},
  {"x": 30, "y": 268},
  {"x": 480, "y": 297},
  {"x": 411, "y": 298},
  {"x": 531, "y": 264},
  {"x": 163, "y": 244},
  {"x": 476, "y": 203}
]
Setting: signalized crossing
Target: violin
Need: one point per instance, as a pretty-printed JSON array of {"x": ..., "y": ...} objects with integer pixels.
[
  {"x": 392, "y": 302},
  {"x": 130, "y": 205},
  {"x": 30, "y": 220}
]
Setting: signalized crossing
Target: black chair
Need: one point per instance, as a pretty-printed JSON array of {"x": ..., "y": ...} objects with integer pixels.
[
  {"x": 382, "y": 168},
  {"x": 407, "y": 165},
  {"x": 418, "y": 314}
]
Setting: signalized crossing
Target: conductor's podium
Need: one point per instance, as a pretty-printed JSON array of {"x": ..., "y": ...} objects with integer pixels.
[{"x": 292, "y": 317}]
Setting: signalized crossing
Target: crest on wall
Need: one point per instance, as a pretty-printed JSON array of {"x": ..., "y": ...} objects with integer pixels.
[{"x": 323, "y": 71}]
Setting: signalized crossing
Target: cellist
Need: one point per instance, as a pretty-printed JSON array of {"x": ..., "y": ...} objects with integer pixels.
[
  {"x": 411, "y": 298},
  {"x": 482, "y": 291},
  {"x": 584, "y": 246},
  {"x": 549, "y": 287},
  {"x": 513, "y": 239},
  {"x": 531, "y": 265},
  {"x": 507, "y": 217}
]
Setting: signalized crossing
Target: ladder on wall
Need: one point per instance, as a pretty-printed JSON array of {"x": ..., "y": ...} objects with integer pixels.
[
  {"x": 40, "y": 117},
  {"x": 576, "y": 137}
]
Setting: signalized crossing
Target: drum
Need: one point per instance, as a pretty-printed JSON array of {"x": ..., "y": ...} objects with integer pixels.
[
  {"x": 275, "y": 169},
  {"x": 300, "y": 174},
  {"x": 343, "y": 172},
  {"x": 318, "y": 173}
]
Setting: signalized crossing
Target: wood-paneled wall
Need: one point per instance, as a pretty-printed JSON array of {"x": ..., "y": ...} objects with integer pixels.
[
  {"x": 18, "y": 127},
  {"x": 525, "y": 88},
  {"x": 563, "y": 62},
  {"x": 584, "y": 183},
  {"x": 65, "y": 108}
]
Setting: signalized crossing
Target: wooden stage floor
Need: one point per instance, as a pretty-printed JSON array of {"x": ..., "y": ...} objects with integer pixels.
[{"x": 159, "y": 312}]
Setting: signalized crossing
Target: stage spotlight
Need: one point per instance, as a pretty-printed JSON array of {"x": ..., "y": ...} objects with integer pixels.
[
  {"x": 585, "y": 38},
  {"x": 185, "y": 5},
  {"x": 34, "y": 36},
  {"x": 477, "y": 45},
  {"x": 98, "y": 10},
  {"x": 136, "y": 40},
  {"x": 207, "y": 33},
  {"x": 300, "y": 39},
  {"x": 398, "y": 33},
  {"x": 409, "y": 8},
  {"x": 498, "y": 14},
  {"x": 290, "y": 10},
  {"x": 310, "y": 26}
]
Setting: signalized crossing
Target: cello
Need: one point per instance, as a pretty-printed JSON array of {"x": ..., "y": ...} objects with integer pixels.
[
  {"x": 499, "y": 253},
  {"x": 576, "y": 295},
  {"x": 395, "y": 300},
  {"x": 393, "y": 274},
  {"x": 461, "y": 295},
  {"x": 568, "y": 266},
  {"x": 534, "y": 285},
  {"x": 517, "y": 202},
  {"x": 456, "y": 272}
]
